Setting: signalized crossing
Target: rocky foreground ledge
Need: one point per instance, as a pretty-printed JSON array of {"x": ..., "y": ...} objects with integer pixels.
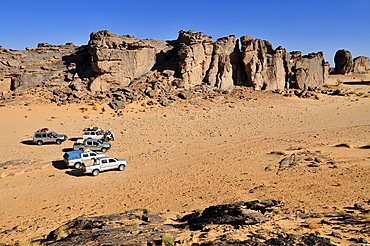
[{"x": 240, "y": 223}]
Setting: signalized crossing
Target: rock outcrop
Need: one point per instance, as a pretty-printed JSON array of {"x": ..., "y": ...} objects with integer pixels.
[
  {"x": 111, "y": 63},
  {"x": 120, "y": 59},
  {"x": 263, "y": 64},
  {"x": 361, "y": 64},
  {"x": 343, "y": 62},
  {"x": 310, "y": 71},
  {"x": 275, "y": 69},
  {"x": 22, "y": 70},
  {"x": 203, "y": 61},
  {"x": 257, "y": 222}
]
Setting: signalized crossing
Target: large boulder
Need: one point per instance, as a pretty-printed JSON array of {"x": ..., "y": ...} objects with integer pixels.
[
  {"x": 343, "y": 62},
  {"x": 361, "y": 64}
]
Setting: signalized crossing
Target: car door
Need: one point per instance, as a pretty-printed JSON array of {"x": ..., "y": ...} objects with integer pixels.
[
  {"x": 47, "y": 138},
  {"x": 104, "y": 164},
  {"x": 90, "y": 144},
  {"x": 113, "y": 163},
  {"x": 85, "y": 157}
]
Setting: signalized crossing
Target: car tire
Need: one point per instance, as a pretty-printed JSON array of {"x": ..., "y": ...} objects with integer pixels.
[
  {"x": 95, "y": 172},
  {"x": 77, "y": 165},
  {"x": 40, "y": 142},
  {"x": 59, "y": 141},
  {"x": 103, "y": 150},
  {"x": 121, "y": 167}
]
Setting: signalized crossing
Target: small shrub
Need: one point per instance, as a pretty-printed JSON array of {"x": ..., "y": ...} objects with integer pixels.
[
  {"x": 168, "y": 239},
  {"x": 61, "y": 232},
  {"x": 313, "y": 225},
  {"x": 84, "y": 109},
  {"x": 199, "y": 211},
  {"x": 342, "y": 212},
  {"x": 367, "y": 216},
  {"x": 131, "y": 222},
  {"x": 54, "y": 117},
  {"x": 30, "y": 243},
  {"x": 285, "y": 229},
  {"x": 339, "y": 81},
  {"x": 95, "y": 108}
]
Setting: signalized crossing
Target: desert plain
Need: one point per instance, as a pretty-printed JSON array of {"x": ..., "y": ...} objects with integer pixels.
[{"x": 190, "y": 154}]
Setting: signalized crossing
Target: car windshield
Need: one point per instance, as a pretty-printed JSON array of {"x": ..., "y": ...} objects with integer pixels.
[
  {"x": 53, "y": 134},
  {"x": 99, "y": 142}
]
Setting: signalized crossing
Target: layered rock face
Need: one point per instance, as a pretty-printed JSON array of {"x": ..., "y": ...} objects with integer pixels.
[
  {"x": 120, "y": 59},
  {"x": 361, "y": 64},
  {"x": 275, "y": 69},
  {"x": 203, "y": 61},
  {"x": 110, "y": 62},
  {"x": 343, "y": 62},
  {"x": 310, "y": 71},
  {"x": 25, "y": 69}
]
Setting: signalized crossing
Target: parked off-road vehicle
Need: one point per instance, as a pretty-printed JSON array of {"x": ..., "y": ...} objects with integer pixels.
[
  {"x": 45, "y": 136},
  {"x": 76, "y": 158},
  {"x": 103, "y": 164},
  {"x": 92, "y": 144}
]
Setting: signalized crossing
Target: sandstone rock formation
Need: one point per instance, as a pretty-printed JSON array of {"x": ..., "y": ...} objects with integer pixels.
[
  {"x": 343, "y": 62},
  {"x": 120, "y": 59},
  {"x": 275, "y": 69},
  {"x": 310, "y": 71},
  {"x": 22, "y": 70},
  {"x": 361, "y": 64},
  {"x": 110, "y": 63}
]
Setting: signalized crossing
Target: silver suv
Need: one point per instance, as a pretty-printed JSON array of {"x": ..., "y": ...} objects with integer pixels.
[{"x": 45, "y": 136}]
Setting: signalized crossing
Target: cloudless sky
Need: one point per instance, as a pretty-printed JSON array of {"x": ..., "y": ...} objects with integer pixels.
[{"x": 308, "y": 26}]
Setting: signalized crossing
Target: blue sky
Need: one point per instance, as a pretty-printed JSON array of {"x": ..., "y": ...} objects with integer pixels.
[{"x": 308, "y": 26}]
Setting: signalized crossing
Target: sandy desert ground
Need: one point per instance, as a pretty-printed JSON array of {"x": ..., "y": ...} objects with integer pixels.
[{"x": 188, "y": 155}]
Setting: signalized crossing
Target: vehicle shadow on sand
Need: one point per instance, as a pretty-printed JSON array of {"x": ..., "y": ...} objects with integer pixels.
[
  {"x": 28, "y": 142},
  {"x": 74, "y": 139},
  {"x": 59, "y": 164},
  {"x": 76, "y": 173},
  {"x": 67, "y": 149}
]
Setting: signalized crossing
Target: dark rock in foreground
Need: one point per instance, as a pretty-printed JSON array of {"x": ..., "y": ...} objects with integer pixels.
[{"x": 239, "y": 223}]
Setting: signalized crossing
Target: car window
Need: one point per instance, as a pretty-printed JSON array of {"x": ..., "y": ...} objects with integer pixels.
[
  {"x": 89, "y": 143},
  {"x": 43, "y": 135},
  {"x": 92, "y": 154},
  {"x": 104, "y": 161},
  {"x": 85, "y": 155},
  {"x": 112, "y": 160},
  {"x": 86, "y": 133},
  {"x": 37, "y": 135},
  {"x": 93, "y": 133}
]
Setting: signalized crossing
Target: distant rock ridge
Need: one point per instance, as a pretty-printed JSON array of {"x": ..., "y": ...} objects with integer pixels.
[{"x": 110, "y": 62}]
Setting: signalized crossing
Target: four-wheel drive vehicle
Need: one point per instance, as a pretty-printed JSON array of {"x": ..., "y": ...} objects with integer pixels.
[
  {"x": 76, "y": 158},
  {"x": 103, "y": 164},
  {"x": 92, "y": 133},
  {"x": 92, "y": 144},
  {"x": 45, "y": 136}
]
